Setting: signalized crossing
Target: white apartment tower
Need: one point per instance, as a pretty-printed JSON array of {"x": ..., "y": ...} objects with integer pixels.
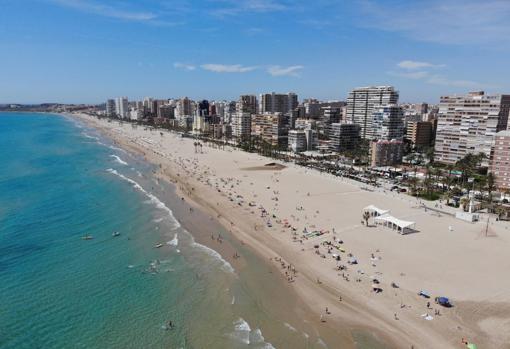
[
  {"x": 468, "y": 124},
  {"x": 388, "y": 122},
  {"x": 361, "y": 103},
  {"x": 241, "y": 125},
  {"x": 121, "y": 107}
]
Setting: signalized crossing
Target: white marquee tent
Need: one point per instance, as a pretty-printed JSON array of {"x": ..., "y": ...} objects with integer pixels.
[{"x": 403, "y": 227}]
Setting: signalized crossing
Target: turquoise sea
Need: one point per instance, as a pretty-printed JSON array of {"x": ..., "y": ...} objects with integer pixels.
[{"x": 61, "y": 181}]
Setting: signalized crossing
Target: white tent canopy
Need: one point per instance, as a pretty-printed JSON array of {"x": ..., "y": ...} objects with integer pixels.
[
  {"x": 403, "y": 227},
  {"x": 375, "y": 211}
]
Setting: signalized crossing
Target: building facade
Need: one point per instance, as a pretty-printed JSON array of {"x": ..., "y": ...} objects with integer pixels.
[
  {"x": 110, "y": 108},
  {"x": 387, "y": 122},
  {"x": 500, "y": 160},
  {"x": 247, "y": 104},
  {"x": 122, "y": 107},
  {"x": 241, "y": 126},
  {"x": 362, "y": 102},
  {"x": 278, "y": 103},
  {"x": 386, "y": 153},
  {"x": 468, "y": 124},
  {"x": 297, "y": 141},
  {"x": 344, "y": 137},
  {"x": 271, "y": 128},
  {"x": 419, "y": 133}
]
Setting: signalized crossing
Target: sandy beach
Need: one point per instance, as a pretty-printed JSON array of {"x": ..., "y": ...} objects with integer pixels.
[{"x": 268, "y": 208}]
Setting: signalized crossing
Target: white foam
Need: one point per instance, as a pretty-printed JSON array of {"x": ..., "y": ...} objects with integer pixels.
[
  {"x": 174, "y": 241},
  {"x": 118, "y": 159},
  {"x": 85, "y": 134},
  {"x": 224, "y": 264},
  {"x": 321, "y": 343},
  {"x": 241, "y": 331},
  {"x": 233, "y": 300},
  {"x": 116, "y": 148},
  {"x": 158, "y": 220},
  {"x": 244, "y": 333},
  {"x": 159, "y": 204},
  {"x": 290, "y": 327}
]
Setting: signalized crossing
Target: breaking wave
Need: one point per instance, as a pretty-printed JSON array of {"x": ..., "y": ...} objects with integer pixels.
[{"x": 158, "y": 203}]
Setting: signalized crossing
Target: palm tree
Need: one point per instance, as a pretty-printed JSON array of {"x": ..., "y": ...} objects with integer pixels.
[
  {"x": 491, "y": 187},
  {"x": 464, "y": 201}
]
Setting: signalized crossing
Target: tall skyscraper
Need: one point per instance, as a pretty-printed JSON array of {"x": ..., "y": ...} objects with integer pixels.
[
  {"x": 468, "y": 124},
  {"x": 121, "y": 107},
  {"x": 183, "y": 108},
  {"x": 241, "y": 126},
  {"x": 344, "y": 137},
  {"x": 247, "y": 104},
  {"x": 278, "y": 103},
  {"x": 500, "y": 160},
  {"x": 203, "y": 108},
  {"x": 361, "y": 103},
  {"x": 388, "y": 122},
  {"x": 329, "y": 115},
  {"x": 110, "y": 107}
]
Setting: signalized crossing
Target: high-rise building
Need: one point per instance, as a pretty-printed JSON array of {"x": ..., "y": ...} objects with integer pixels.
[
  {"x": 297, "y": 141},
  {"x": 183, "y": 108},
  {"x": 329, "y": 115},
  {"x": 110, "y": 108},
  {"x": 468, "y": 124},
  {"x": 344, "y": 137},
  {"x": 241, "y": 126},
  {"x": 387, "y": 122},
  {"x": 500, "y": 160},
  {"x": 203, "y": 108},
  {"x": 419, "y": 133},
  {"x": 361, "y": 103},
  {"x": 247, "y": 104},
  {"x": 278, "y": 103},
  {"x": 312, "y": 139},
  {"x": 386, "y": 153},
  {"x": 271, "y": 128},
  {"x": 121, "y": 107},
  {"x": 166, "y": 111}
]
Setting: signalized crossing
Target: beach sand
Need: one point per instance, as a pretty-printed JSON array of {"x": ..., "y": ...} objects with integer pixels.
[{"x": 461, "y": 263}]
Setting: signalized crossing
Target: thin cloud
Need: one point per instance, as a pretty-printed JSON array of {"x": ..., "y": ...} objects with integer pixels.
[
  {"x": 224, "y": 68},
  {"x": 410, "y": 75},
  {"x": 412, "y": 65},
  {"x": 114, "y": 12},
  {"x": 184, "y": 66},
  {"x": 277, "y": 70},
  {"x": 441, "y": 80},
  {"x": 236, "y": 7},
  {"x": 456, "y": 22},
  {"x": 428, "y": 77}
]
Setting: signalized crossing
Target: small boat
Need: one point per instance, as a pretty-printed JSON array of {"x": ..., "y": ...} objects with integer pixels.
[
  {"x": 158, "y": 245},
  {"x": 87, "y": 237},
  {"x": 115, "y": 234}
]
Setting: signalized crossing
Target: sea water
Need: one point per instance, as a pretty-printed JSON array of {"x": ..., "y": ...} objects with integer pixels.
[{"x": 61, "y": 182}]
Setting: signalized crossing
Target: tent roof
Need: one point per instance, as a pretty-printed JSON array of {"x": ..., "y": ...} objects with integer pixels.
[
  {"x": 396, "y": 221},
  {"x": 376, "y": 209}
]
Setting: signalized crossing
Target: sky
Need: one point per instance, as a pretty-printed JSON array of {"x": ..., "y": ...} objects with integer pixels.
[{"x": 84, "y": 51}]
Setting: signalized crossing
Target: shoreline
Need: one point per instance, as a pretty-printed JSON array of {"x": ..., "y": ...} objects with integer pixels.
[{"x": 356, "y": 309}]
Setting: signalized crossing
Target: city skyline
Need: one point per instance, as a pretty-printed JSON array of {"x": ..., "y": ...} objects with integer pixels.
[{"x": 83, "y": 51}]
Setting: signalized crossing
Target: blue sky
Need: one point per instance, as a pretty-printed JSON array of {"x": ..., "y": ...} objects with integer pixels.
[{"x": 88, "y": 50}]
